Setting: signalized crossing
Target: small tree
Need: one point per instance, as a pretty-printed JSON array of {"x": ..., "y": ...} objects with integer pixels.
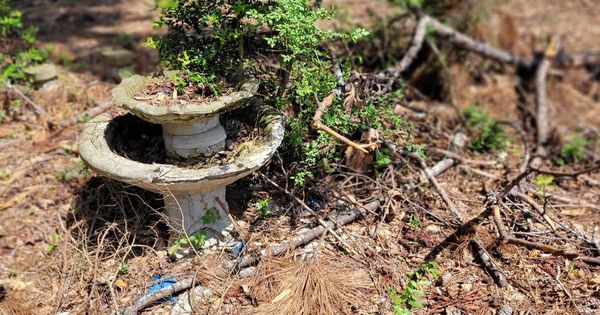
[{"x": 214, "y": 39}]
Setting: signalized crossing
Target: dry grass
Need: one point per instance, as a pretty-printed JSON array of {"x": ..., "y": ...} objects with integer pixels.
[{"x": 317, "y": 286}]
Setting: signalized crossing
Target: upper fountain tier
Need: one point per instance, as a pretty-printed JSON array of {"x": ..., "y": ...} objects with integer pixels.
[
  {"x": 124, "y": 96},
  {"x": 191, "y": 128}
]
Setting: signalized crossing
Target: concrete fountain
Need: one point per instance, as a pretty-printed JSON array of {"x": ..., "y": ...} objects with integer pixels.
[{"x": 190, "y": 130}]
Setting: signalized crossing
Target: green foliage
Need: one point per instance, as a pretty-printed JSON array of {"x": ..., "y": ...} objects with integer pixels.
[
  {"x": 197, "y": 240},
  {"x": 74, "y": 170},
  {"x": 211, "y": 216},
  {"x": 409, "y": 3},
  {"x": 296, "y": 33},
  {"x": 573, "y": 150},
  {"x": 489, "y": 135},
  {"x": 543, "y": 184},
  {"x": 408, "y": 299},
  {"x": 300, "y": 177},
  {"x": 414, "y": 222},
  {"x": 416, "y": 149},
  {"x": 123, "y": 267},
  {"x": 52, "y": 243},
  {"x": 382, "y": 159},
  {"x": 262, "y": 207},
  {"x": 17, "y": 38},
  {"x": 208, "y": 32}
]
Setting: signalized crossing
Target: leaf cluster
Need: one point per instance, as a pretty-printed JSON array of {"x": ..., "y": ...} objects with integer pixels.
[
  {"x": 197, "y": 240},
  {"x": 410, "y": 296},
  {"x": 573, "y": 150},
  {"x": 17, "y": 39},
  {"x": 489, "y": 135}
]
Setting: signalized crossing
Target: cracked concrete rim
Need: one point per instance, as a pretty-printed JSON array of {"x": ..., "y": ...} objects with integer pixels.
[
  {"x": 124, "y": 93},
  {"x": 95, "y": 150}
]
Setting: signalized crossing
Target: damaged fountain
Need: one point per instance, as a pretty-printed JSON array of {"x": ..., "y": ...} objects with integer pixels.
[{"x": 190, "y": 131}]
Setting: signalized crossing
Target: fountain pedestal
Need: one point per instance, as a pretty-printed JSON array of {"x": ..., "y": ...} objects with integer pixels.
[
  {"x": 200, "y": 138},
  {"x": 192, "y": 212}
]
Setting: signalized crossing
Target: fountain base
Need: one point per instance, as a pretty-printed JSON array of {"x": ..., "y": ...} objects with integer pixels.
[{"x": 193, "y": 212}]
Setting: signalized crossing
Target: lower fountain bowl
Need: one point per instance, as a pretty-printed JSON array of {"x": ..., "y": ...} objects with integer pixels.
[{"x": 95, "y": 150}]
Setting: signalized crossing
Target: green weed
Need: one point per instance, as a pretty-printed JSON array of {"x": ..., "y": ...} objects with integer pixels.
[
  {"x": 211, "y": 216},
  {"x": 52, "y": 243},
  {"x": 489, "y": 135},
  {"x": 123, "y": 267},
  {"x": 197, "y": 240},
  {"x": 543, "y": 184},
  {"x": 74, "y": 170},
  {"x": 572, "y": 151},
  {"x": 409, "y": 298},
  {"x": 14, "y": 60},
  {"x": 262, "y": 207}
]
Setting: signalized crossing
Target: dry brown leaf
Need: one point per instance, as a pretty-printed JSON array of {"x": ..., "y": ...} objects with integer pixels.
[{"x": 358, "y": 161}]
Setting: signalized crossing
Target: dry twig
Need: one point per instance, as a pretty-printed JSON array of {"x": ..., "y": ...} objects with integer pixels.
[
  {"x": 435, "y": 184},
  {"x": 304, "y": 238},
  {"x": 489, "y": 265},
  {"x": 37, "y": 109},
  {"x": 318, "y": 125},
  {"x": 410, "y": 55},
  {"x": 165, "y": 292}
]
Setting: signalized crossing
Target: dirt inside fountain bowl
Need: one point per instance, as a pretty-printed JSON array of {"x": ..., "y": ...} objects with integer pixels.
[
  {"x": 164, "y": 93},
  {"x": 143, "y": 142}
]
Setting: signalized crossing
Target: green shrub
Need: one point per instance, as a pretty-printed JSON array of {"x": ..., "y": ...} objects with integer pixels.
[
  {"x": 489, "y": 135},
  {"x": 16, "y": 39},
  {"x": 573, "y": 150}
]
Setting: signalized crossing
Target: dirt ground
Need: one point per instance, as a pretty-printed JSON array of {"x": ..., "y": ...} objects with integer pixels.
[{"x": 66, "y": 235}]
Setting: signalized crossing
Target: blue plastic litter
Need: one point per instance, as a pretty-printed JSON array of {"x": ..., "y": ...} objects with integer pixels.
[
  {"x": 237, "y": 249},
  {"x": 158, "y": 283}
]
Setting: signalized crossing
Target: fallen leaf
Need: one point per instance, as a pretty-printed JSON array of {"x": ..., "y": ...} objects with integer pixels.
[
  {"x": 282, "y": 295},
  {"x": 120, "y": 283}
]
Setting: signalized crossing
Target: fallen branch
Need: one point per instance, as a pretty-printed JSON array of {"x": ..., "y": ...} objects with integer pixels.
[
  {"x": 531, "y": 202},
  {"x": 311, "y": 211},
  {"x": 318, "y": 124},
  {"x": 457, "y": 143},
  {"x": 553, "y": 250},
  {"x": 566, "y": 174},
  {"x": 436, "y": 184},
  {"x": 98, "y": 109},
  {"x": 409, "y": 56},
  {"x": 303, "y": 239},
  {"x": 165, "y": 292},
  {"x": 542, "y": 123},
  {"x": 488, "y": 264},
  {"x": 507, "y": 238},
  {"x": 37, "y": 109},
  {"x": 478, "y": 47}
]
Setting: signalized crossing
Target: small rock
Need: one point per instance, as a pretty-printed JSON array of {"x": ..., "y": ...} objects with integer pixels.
[
  {"x": 196, "y": 296},
  {"x": 227, "y": 309},
  {"x": 432, "y": 228},
  {"x": 117, "y": 58},
  {"x": 42, "y": 73},
  {"x": 229, "y": 144},
  {"x": 247, "y": 272},
  {"x": 505, "y": 310}
]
